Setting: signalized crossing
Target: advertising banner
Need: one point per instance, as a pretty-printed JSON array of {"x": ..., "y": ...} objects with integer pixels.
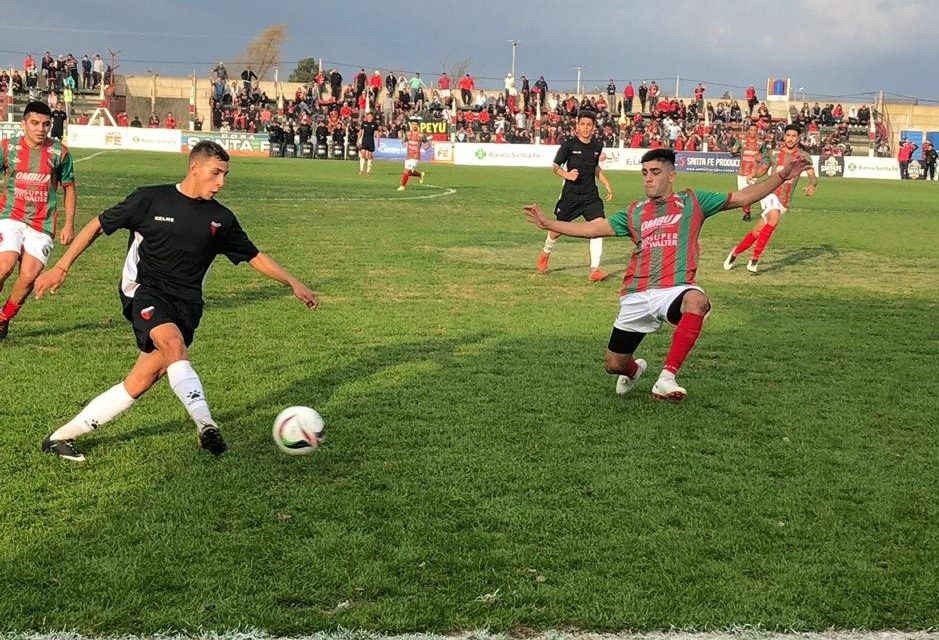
[
  {"x": 700, "y": 162},
  {"x": 616, "y": 159},
  {"x": 877, "y": 168},
  {"x": 504, "y": 155},
  {"x": 393, "y": 149},
  {"x": 435, "y": 129},
  {"x": 237, "y": 144},
  {"x": 10, "y": 129},
  {"x": 831, "y": 167},
  {"x": 128, "y": 138}
]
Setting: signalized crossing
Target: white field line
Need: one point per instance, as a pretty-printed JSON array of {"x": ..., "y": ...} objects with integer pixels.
[
  {"x": 93, "y": 155},
  {"x": 743, "y": 633}
]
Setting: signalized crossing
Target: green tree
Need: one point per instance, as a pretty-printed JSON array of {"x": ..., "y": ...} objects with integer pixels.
[{"x": 306, "y": 70}]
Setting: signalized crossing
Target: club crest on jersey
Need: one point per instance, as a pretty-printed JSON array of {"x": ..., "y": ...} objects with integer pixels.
[
  {"x": 147, "y": 313},
  {"x": 214, "y": 226}
]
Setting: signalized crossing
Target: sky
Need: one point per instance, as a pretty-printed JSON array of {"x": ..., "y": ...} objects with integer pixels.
[{"x": 831, "y": 49}]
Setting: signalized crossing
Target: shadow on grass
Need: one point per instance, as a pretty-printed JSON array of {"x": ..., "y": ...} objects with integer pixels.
[{"x": 799, "y": 256}]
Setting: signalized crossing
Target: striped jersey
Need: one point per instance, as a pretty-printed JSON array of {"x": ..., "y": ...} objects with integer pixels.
[
  {"x": 783, "y": 156},
  {"x": 32, "y": 178},
  {"x": 666, "y": 235},
  {"x": 751, "y": 153}
]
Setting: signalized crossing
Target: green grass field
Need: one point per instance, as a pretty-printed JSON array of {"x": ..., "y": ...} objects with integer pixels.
[{"x": 479, "y": 471}]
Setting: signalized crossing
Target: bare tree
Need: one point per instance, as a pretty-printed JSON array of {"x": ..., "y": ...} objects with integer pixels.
[
  {"x": 263, "y": 53},
  {"x": 456, "y": 68}
]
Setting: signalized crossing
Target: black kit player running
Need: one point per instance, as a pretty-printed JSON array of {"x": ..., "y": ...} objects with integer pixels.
[{"x": 176, "y": 232}]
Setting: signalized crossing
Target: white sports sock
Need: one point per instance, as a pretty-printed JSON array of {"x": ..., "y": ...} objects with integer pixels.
[
  {"x": 368, "y": 165},
  {"x": 102, "y": 409},
  {"x": 361, "y": 164},
  {"x": 596, "y": 250},
  {"x": 187, "y": 386},
  {"x": 549, "y": 243}
]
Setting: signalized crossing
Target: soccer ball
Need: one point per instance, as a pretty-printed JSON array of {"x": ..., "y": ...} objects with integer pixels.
[{"x": 298, "y": 430}]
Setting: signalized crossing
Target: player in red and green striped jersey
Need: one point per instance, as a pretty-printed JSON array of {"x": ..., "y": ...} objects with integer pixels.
[
  {"x": 34, "y": 166},
  {"x": 775, "y": 204},
  {"x": 659, "y": 285}
]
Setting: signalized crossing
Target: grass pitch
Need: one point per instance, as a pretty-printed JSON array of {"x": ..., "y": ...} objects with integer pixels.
[{"x": 479, "y": 471}]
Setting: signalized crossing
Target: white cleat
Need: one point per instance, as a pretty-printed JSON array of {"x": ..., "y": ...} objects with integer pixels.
[
  {"x": 421, "y": 180},
  {"x": 400, "y": 188},
  {"x": 729, "y": 261},
  {"x": 751, "y": 266},
  {"x": 624, "y": 383},
  {"x": 666, "y": 388}
]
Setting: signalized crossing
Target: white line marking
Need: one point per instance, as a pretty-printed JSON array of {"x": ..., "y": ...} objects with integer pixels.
[{"x": 93, "y": 155}]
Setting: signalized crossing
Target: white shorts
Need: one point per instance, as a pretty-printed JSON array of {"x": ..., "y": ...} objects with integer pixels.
[
  {"x": 411, "y": 164},
  {"x": 771, "y": 202},
  {"x": 19, "y": 238},
  {"x": 743, "y": 182},
  {"x": 644, "y": 312}
]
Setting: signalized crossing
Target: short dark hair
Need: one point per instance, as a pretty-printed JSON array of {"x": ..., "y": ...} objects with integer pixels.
[
  {"x": 37, "y": 107},
  {"x": 587, "y": 113},
  {"x": 209, "y": 149},
  {"x": 793, "y": 127},
  {"x": 665, "y": 155}
]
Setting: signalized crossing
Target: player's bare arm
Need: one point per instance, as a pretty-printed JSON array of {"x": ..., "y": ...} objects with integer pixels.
[
  {"x": 601, "y": 176},
  {"x": 266, "y": 265},
  {"x": 597, "y": 228},
  {"x": 567, "y": 175},
  {"x": 51, "y": 279},
  {"x": 68, "y": 229},
  {"x": 813, "y": 181},
  {"x": 760, "y": 190}
]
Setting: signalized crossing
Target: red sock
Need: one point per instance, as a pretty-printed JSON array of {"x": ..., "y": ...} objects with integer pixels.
[
  {"x": 686, "y": 333},
  {"x": 632, "y": 368},
  {"x": 10, "y": 310},
  {"x": 746, "y": 210},
  {"x": 405, "y": 177},
  {"x": 765, "y": 234},
  {"x": 748, "y": 240}
]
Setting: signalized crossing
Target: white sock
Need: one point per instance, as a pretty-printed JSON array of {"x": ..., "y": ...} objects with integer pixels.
[
  {"x": 361, "y": 164},
  {"x": 549, "y": 243},
  {"x": 102, "y": 409},
  {"x": 596, "y": 250},
  {"x": 187, "y": 386},
  {"x": 368, "y": 165}
]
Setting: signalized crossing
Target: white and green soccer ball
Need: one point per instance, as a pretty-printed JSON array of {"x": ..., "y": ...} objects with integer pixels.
[{"x": 298, "y": 430}]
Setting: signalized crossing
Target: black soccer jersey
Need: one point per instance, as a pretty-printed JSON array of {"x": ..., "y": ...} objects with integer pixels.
[
  {"x": 585, "y": 158},
  {"x": 174, "y": 240},
  {"x": 368, "y": 132}
]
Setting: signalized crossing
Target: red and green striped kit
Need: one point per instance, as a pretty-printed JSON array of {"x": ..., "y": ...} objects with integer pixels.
[
  {"x": 32, "y": 178},
  {"x": 787, "y": 188},
  {"x": 666, "y": 235}
]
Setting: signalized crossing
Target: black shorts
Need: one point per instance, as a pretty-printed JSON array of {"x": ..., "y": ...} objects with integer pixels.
[
  {"x": 367, "y": 146},
  {"x": 569, "y": 207},
  {"x": 149, "y": 308}
]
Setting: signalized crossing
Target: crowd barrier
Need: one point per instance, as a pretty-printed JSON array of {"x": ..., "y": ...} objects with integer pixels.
[{"x": 464, "y": 153}]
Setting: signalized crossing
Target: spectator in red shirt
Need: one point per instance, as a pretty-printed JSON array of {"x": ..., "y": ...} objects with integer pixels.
[
  {"x": 628, "y": 95},
  {"x": 121, "y": 119},
  {"x": 169, "y": 122},
  {"x": 751, "y": 99},
  {"x": 467, "y": 84},
  {"x": 154, "y": 121}
]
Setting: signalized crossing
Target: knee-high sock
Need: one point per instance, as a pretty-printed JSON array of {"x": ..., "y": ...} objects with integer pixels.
[
  {"x": 596, "y": 250},
  {"x": 405, "y": 177},
  {"x": 10, "y": 309},
  {"x": 361, "y": 164},
  {"x": 368, "y": 166},
  {"x": 102, "y": 409},
  {"x": 765, "y": 234},
  {"x": 188, "y": 388},
  {"x": 686, "y": 334},
  {"x": 549, "y": 243},
  {"x": 746, "y": 243}
]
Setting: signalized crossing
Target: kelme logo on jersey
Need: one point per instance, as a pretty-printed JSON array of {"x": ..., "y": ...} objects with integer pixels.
[
  {"x": 147, "y": 313},
  {"x": 214, "y": 226}
]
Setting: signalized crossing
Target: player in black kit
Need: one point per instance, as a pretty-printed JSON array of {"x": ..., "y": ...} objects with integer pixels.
[
  {"x": 176, "y": 232},
  {"x": 581, "y": 156},
  {"x": 366, "y": 143}
]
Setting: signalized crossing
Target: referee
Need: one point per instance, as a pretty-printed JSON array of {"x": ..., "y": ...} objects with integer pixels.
[
  {"x": 176, "y": 232},
  {"x": 581, "y": 157}
]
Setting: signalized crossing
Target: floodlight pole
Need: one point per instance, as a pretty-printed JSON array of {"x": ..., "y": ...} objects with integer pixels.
[
  {"x": 514, "y": 47},
  {"x": 579, "y": 69}
]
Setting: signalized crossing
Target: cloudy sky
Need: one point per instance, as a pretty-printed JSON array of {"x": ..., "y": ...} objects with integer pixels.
[{"x": 839, "y": 48}]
